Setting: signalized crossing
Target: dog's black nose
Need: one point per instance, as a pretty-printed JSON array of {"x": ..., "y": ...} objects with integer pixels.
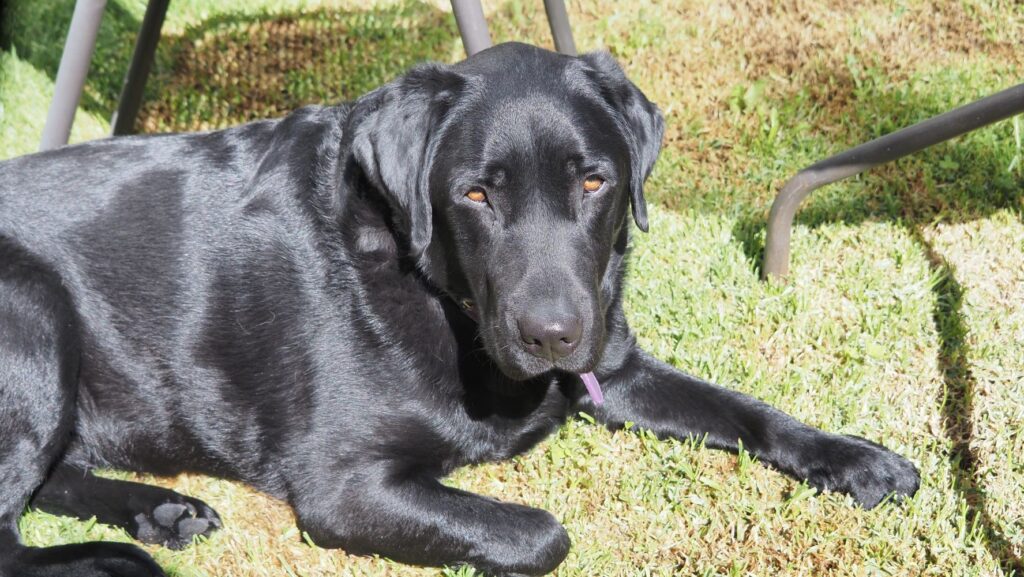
[{"x": 550, "y": 335}]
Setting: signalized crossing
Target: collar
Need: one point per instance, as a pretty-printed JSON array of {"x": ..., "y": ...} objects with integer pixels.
[{"x": 469, "y": 307}]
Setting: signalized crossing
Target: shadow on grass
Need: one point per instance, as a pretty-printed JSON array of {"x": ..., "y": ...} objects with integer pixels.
[
  {"x": 962, "y": 180},
  {"x": 235, "y": 68},
  {"x": 36, "y": 31},
  {"x": 958, "y": 405},
  {"x": 232, "y": 67}
]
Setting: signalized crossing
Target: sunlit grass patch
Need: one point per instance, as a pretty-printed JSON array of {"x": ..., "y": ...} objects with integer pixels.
[
  {"x": 25, "y": 95},
  {"x": 900, "y": 322},
  {"x": 987, "y": 258}
]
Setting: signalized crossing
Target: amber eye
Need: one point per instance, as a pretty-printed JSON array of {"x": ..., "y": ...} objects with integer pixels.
[
  {"x": 593, "y": 183},
  {"x": 476, "y": 195}
]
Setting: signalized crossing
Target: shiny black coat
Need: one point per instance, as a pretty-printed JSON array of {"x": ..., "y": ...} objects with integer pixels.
[{"x": 317, "y": 307}]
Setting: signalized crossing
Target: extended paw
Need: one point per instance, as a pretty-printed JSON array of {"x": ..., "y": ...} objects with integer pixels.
[
  {"x": 174, "y": 524},
  {"x": 864, "y": 470}
]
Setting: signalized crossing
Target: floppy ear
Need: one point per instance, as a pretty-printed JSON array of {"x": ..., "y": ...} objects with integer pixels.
[
  {"x": 393, "y": 131},
  {"x": 641, "y": 122}
]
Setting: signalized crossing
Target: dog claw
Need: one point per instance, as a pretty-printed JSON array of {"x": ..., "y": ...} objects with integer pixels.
[{"x": 213, "y": 518}]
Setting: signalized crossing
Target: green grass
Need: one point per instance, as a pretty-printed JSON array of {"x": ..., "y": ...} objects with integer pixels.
[
  {"x": 25, "y": 94},
  {"x": 901, "y": 320}
]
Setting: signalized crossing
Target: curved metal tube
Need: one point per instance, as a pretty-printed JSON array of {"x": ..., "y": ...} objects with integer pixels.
[
  {"x": 558, "y": 20},
  {"x": 74, "y": 66},
  {"x": 469, "y": 16},
  {"x": 878, "y": 151}
]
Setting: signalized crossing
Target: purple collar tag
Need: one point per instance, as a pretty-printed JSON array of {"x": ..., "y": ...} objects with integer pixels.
[{"x": 590, "y": 381}]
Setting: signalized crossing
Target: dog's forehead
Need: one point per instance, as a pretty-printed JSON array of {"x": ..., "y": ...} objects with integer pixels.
[
  {"x": 526, "y": 115},
  {"x": 513, "y": 58},
  {"x": 531, "y": 109},
  {"x": 522, "y": 68},
  {"x": 538, "y": 132},
  {"x": 539, "y": 120}
]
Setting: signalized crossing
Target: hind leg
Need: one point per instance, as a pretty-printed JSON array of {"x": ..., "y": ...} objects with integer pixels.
[
  {"x": 97, "y": 559},
  {"x": 38, "y": 373},
  {"x": 150, "y": 514}
]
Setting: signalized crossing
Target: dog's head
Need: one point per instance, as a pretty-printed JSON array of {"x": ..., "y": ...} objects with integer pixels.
[{"x": 509, "y": 177}]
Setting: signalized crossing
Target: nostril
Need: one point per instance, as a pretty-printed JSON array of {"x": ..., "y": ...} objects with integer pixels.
[{"x": 550, "y": 337}]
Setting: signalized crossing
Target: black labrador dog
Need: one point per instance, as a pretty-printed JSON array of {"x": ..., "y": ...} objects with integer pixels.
[{"x": 341, "y": 307}]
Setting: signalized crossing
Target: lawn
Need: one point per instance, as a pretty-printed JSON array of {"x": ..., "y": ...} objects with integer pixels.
[{"x": 901, "y": 321}]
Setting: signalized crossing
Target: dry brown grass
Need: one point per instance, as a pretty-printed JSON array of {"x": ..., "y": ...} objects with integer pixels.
[
  {"x": 690, "y": 56},
  {"x": 706, "y": 48},
  {"x": 854, "y": 343}
]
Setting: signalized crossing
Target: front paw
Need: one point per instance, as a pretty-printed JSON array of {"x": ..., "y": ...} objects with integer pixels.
[
  {"x": 174, "y": 523},
  {"x": 866, "y": 471}
]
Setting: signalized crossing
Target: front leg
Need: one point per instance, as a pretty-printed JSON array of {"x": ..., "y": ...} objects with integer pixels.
[
  {"x": 412, "y": 518},
  {"x": 670, "y": 403},
  {"x": 148, "y": 513}
]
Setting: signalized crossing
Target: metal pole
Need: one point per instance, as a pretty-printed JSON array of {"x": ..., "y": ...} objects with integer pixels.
[
  {"x": 558, "y": 19},
  {"x": 123, "y": 121},
  {"x": 74, "y": 66},
  {"x": 884, "y": 149},
  {"x": 469, "y": 15}
]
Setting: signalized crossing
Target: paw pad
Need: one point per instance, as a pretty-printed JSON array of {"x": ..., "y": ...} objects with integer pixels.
[{"x": 175, "y": 524}]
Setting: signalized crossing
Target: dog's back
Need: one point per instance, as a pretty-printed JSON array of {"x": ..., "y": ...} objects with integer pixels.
[
  {"x": 122, "y": 183},
  {"x": 139, "y": 232}
]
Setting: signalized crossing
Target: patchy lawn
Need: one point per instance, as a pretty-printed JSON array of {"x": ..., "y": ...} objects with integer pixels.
[{"x": 901, "y": 321}]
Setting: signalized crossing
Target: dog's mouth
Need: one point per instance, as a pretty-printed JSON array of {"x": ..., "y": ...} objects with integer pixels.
[
  {"x": 537, "y": 366},
  {"x": 587, "y": 377}
]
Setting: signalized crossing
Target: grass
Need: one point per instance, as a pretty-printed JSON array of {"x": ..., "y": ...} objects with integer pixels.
[{"x": 901, "y": 321}]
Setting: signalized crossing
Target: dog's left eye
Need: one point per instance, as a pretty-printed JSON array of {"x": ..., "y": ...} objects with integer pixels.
[
  {"x": 593, "y": 183},
  {"x": 477, "y": 194}
]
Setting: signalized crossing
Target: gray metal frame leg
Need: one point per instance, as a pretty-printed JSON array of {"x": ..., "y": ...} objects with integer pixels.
[
  {"x": 123, "y": 121},
  {"x": 469, "y": 16},
  {"x": 558, "y": 19},
  {"x": 887, "y": 148},
  {"x": 74, "y": 66}
]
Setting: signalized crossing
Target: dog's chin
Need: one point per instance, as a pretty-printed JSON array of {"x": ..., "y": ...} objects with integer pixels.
[
  {"x": 522, "y": 366},
  {"x": 524, "y": 371}
]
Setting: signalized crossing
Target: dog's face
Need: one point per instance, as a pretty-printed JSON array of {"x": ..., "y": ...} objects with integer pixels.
[{"x": 511, "y": 175}]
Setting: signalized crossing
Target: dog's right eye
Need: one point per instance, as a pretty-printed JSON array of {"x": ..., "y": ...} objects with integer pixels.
[
  {"x": 477, "y": 194},
  {"x": 593, "y": 183}
]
